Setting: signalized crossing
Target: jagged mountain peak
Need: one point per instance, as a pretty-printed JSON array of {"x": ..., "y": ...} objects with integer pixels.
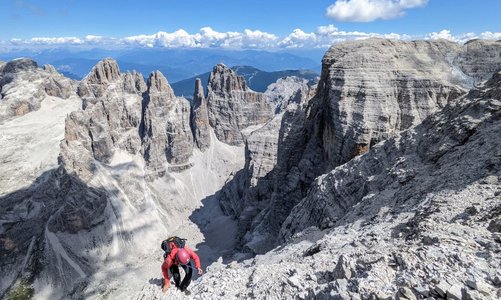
[
  {"x": 106, "y": 74},
  {"x": 233, "y": 106},
  {"x": 198, "y": 95},
  {"x": 104, "y": 71},
  {"x": 224, "y": 80},
  {"x": 157, "y": 83},
  {"x": 128, "y": 175},
  {"x": 50, "y": 68}
]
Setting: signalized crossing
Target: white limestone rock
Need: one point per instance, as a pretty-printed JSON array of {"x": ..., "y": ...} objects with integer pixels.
[
  {"x": 233, "y": 106},
  {"x": 23, "y": 87}
]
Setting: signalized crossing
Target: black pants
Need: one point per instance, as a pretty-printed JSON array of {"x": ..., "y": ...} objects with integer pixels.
[{"x": 182, "y": 285}]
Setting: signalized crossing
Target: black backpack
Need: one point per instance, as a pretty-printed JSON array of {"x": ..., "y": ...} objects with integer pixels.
[{"x": 168, "y": 244}]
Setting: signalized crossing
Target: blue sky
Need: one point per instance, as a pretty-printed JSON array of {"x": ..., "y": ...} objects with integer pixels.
[{"x": 269, "y": 23}]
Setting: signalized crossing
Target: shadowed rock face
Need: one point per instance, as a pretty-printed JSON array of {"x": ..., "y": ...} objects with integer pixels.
[
  {"x": 200, "y": 118},
  {"x": 368, "y": 92},
  {"x": 418, "y": 208},
  {"x": 233, "y": 106},
  {"x": 167, "y": 130},
  {"x": 450, "y": 140},
  {"x": 23, "y": 86},
  {"x": 290, "y": 96}
]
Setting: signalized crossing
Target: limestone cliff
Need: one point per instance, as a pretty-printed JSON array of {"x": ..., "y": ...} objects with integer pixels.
[
  {"x": 109, "y": 119},
  {"x": 233, "y": 106},
  {"x": 419, "y": 208},
  {"x": 167, "y": 133},
  {"x": 368, "y": 92}
]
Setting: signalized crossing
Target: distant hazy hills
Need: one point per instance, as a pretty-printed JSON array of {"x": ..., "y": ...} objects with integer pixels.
[
  {"x": 257, "y": 80},
  {"x": 175, "y": 64}
]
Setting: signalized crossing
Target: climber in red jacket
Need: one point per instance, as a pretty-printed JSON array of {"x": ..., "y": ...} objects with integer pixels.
[{"x": 176, "y": 257}]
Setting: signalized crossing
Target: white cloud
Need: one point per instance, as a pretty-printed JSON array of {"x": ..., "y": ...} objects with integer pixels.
[
  {"x": 206, "y": 38},
  {"x": 177, "y": 39},
  {"x": 491, "y": 35},
  {"x": 370, "y": 10},
  {"x": 59, "y": 40},
  {"x": 462, "y": 38},
  {"x": 443, "y": 34},
  {"x": 322, "y": 37}
]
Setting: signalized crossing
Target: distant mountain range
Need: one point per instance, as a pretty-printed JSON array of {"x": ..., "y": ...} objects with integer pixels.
[
  {"x": 258, "y": 80},
  {"x": 175, "y": 64}
]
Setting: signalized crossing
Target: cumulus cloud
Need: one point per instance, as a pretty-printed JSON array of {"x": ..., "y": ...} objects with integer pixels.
[
  {"x": 370, "y": 10},
  {"x": 206, "y": 38},
  {"x": 322, "y": 37},
  {"x": 491, "y": 35},
  {"x": 461, "y": 38},
  {"x": 326, "y": 36},
  {"x": 177, "y": 39}
]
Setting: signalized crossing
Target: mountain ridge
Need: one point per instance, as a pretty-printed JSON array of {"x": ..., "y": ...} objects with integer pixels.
[
  {"x": 257, "y": 80},
  {"x": 324, "y": 186}
]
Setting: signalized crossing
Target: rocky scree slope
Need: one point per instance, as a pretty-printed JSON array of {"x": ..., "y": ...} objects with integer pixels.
[
  {"x": 130, "y": 172},
  {"x": 368, "y": 92},
  {"x": 417, "y": 216}
]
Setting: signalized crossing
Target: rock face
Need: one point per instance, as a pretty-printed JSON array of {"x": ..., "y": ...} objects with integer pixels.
[
  {"x": 110, "y": 119},
  {"x": 233, "y": 106},
  {"x": 243, "y": 196},
  {"x": 167, "y": 133},
  {"x": 383, "y": 88},
  {"x": 23, "y": 86},
  {"x": 288, "y": 94},
  {"x": 368, "y": 92},
  {"x": 410, "y": 161},
  {"x": 200, "y": 118},
  {"x": 123, "y": 180},
  {"x": 480, "y": 59},
  {"x": 290, "y": 89},
  {"x": 415, "y": 208}
]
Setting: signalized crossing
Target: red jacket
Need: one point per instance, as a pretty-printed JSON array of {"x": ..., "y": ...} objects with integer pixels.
[{"x": 171, "y": 260}]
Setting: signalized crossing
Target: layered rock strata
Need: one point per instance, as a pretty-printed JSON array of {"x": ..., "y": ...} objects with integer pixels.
[
  {"x": 422, "y": 208},
  {"x": 233, "y": 106},
  {"x": 411, "y": 166},
  {"x": 369, "y": 91}
]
